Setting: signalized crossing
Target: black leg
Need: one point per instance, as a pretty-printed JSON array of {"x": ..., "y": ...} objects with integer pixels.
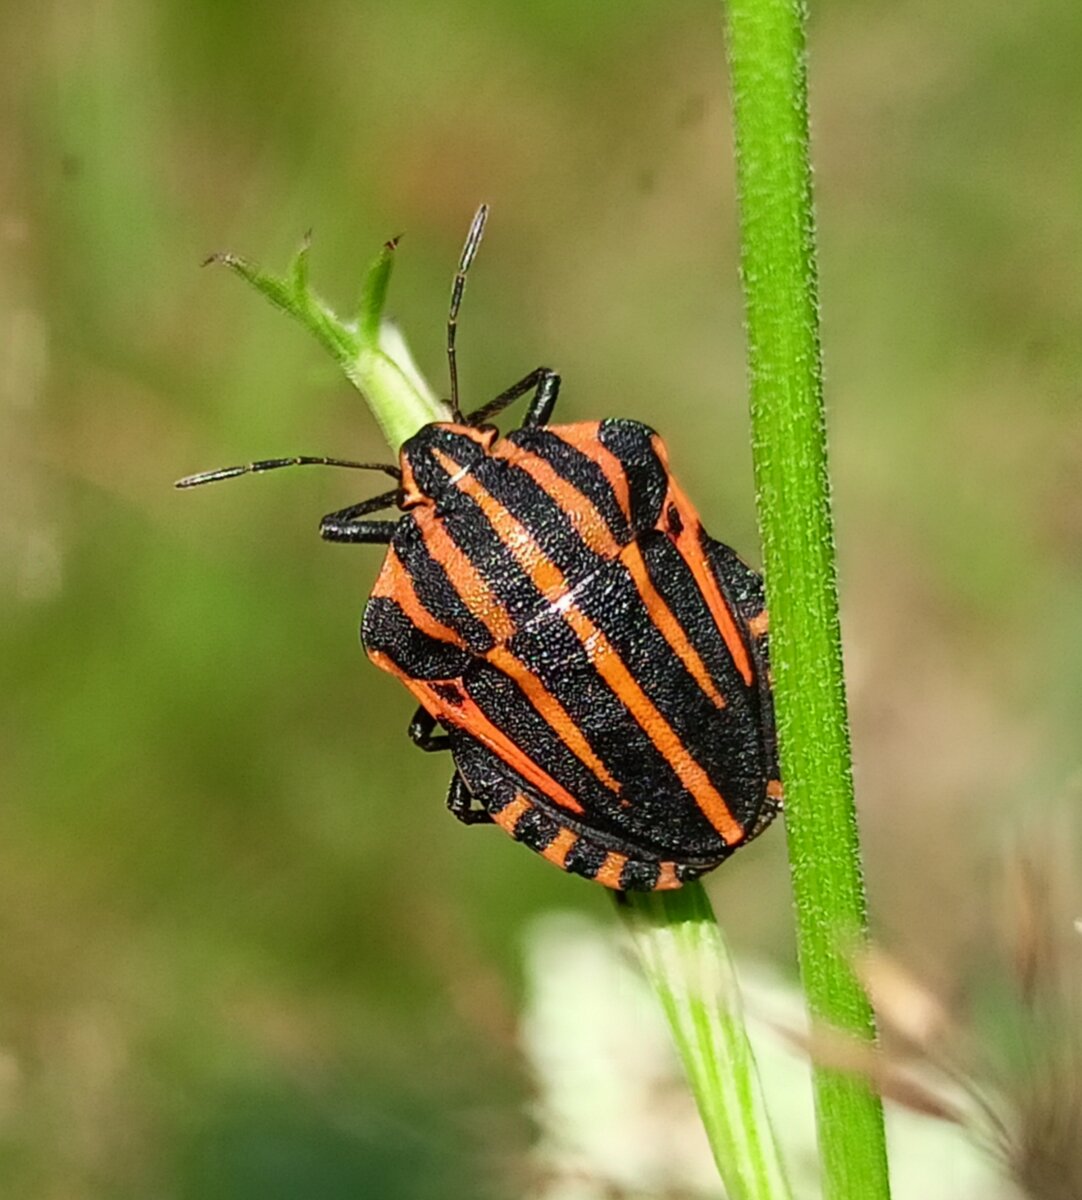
[
  {"x": 344, "y": 526},
  {"x": 460, "y": 802},
  {"x": 363, "y": 532},
  {"x": 545, "y": 385},
  {"x": 422, "y": 732},
  {"x": 544, "y": 400}
]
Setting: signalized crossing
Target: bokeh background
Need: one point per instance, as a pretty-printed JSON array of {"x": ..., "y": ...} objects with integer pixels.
[{"x": 244, "y": 951}]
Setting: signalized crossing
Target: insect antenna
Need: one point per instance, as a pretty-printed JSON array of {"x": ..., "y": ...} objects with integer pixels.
[
  {"x": 272, "y": 464},
  {"x": 473, "y": 240}
]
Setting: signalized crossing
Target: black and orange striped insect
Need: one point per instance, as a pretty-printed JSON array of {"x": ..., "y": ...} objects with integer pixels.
[{"x": 595, "y": 663}]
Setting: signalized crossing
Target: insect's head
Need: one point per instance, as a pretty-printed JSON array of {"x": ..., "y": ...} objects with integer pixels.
[
  {"x": 439, "y": 454},
  {"x": 423, "y": 472}
]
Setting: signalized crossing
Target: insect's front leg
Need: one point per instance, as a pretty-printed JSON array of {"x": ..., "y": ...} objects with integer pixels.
[{"x": 545, "y": 385}]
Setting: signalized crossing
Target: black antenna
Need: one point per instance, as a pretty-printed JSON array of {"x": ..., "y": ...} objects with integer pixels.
[
  {"x": 473, "y": 240},
  {"x": 272, "y": 464}
]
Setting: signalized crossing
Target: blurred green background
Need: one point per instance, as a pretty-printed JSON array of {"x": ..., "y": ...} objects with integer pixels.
[{"x": 244, "y": 951}]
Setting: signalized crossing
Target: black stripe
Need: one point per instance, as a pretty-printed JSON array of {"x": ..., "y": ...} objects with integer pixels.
[
  {"x": 584, "y": 858},
  {"x": 580, "y": 471},
  {"x": 535, "y": 510},
  {"x": 639, "y": 876},
  {"x": 737, "y": 580},
  {"x": 742, "y": 586},
  {"x": 679, "y": 590},
  {"x": 648, "y": 481},
  {"x": 535, "y": 829}
]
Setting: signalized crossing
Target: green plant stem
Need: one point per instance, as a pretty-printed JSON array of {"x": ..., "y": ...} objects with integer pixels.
[
  {"x": 688, "y": 965},
  {"x": 766, "y": 55},
  {"x": 371, "y": 351}
]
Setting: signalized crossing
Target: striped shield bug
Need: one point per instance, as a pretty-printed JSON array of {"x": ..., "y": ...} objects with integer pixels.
[{"x": 595, "y": 664}]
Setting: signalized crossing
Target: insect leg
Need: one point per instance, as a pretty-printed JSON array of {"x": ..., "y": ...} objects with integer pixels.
[
  {"x": 544, "y": 399},
  {"x": 422, "y": 732},
  {"x": 460, "y": 802},
  {"x": 344, "y": 526},
  {"x": 544, "y": 383}
]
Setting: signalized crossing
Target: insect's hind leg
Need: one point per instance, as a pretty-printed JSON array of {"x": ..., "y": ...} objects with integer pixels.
[
  {"x": 545, "y": 385},
  {"x": 460, "y": 802}
]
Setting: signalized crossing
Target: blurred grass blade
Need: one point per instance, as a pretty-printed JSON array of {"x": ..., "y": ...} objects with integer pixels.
[{"x": 687, "y": 962}]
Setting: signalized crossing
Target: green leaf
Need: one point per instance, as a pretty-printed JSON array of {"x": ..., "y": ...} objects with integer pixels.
[{"x": 372, "y": 353}]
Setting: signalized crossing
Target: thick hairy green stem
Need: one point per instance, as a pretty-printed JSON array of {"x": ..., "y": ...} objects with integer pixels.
[{"x": 766, "y": 55}]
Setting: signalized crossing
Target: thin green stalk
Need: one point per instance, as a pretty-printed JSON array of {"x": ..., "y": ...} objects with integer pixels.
[
  {"x": 688, "y": 965},
  {"x": 766, "y": 54}
]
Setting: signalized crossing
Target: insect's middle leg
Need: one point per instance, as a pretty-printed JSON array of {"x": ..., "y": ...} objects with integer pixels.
[
  {"x": 345, "y": 524},
  {"x": 459, "y": 801},
  {"x": 423, "y": 734}
]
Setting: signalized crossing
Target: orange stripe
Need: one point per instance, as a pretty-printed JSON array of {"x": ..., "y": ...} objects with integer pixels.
[
  {"x": 775, "y": 791},
  {"x": 394, "y": 583},
  {"x": 609, "y": 871},
  {"x": 547, "y": 576},
  {"x": 510, "y": 815},
  {"x": 666, "y": 622},
  {"x": 695, "y": 557},
  {"x": 584, "y": 438},
  {"x": 471, "y": 586},
  {"x": 667, "y": 879},
  {"x": 516, "y": 538},
  {"x": 558, "y": 850},
  {"x": 759, "y": 624}
]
